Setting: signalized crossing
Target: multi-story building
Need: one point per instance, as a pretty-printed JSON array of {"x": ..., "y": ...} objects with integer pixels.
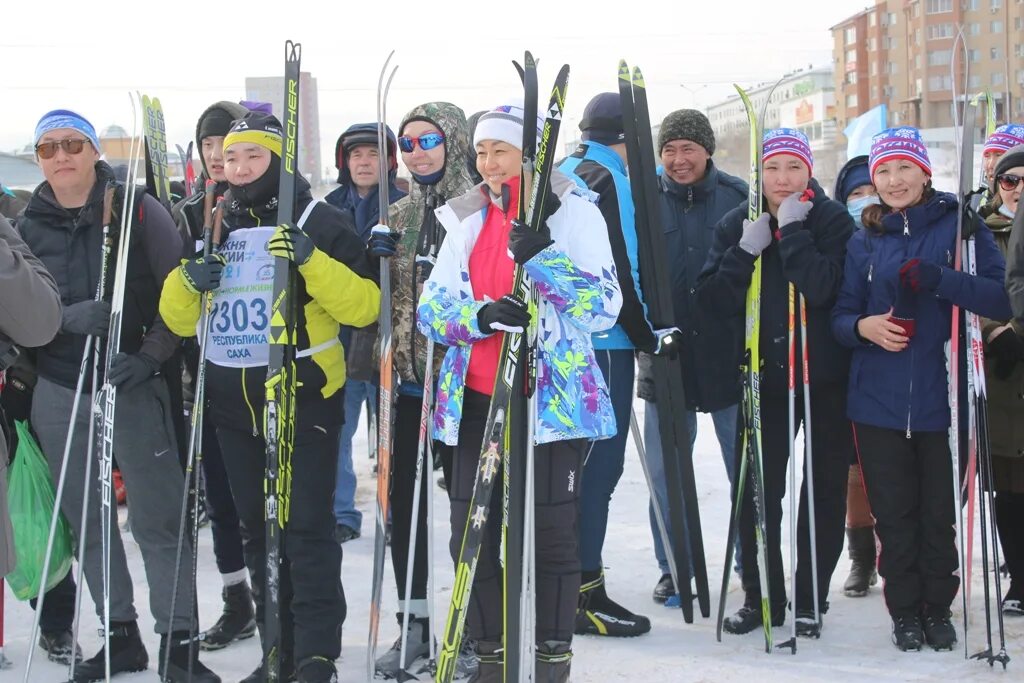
[
  {"x": 900, "y": 53},
  {"x": 271, "y": 89}
]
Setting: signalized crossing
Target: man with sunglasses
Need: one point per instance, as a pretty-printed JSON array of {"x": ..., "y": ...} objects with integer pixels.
[
  {"x": 358, "y": 164},
  {"x": 63, "y": 226}
]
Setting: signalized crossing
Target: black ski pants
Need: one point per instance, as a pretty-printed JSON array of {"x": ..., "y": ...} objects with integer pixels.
[
  {"x": 403, "y": 480},
  {"x": 311, "y": 598},
  {"x": 220, "y": 505},
  {"x": 910, "y": 489},
  {"x": 557, "y": 468},
  {"x": 1010, "y": 524},
  {"x": 832, "y": 442}
]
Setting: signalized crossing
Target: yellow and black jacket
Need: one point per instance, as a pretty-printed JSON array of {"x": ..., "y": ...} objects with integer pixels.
[{"x": 336, "y": 287}]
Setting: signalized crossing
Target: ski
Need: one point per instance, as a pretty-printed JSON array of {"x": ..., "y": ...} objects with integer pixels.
[
  {"x": 749, "y": 454},
  {"x": 510, "y": 380},
  {"x": 188, "y": 170},
  {"x": 687, "y": 547},
  {"x": 387, "y": 383},
  {"x": 154, "y": 129},
  {"x": 279, "y": 428}
]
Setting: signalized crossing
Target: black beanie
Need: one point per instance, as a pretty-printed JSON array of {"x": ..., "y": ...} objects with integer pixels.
[
  {"x": 602, "y": 120},
  {"x": 217, "y": 120},
  {"x": 687, "y": 124},
  {"x": 1012, "y": 158}
]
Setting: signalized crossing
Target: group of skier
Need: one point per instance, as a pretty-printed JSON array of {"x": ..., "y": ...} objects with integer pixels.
[{"x": 874, "y": 271}]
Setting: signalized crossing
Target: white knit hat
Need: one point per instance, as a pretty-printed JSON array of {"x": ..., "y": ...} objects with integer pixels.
[{"x": 504, "y": 123}]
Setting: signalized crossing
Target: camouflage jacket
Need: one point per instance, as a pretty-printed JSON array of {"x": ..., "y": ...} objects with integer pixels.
[{"x": 409, "y": 215}]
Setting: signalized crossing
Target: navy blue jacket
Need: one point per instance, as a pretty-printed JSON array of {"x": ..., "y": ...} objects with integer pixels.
[
  {"x": 364, "y": 210},
  {"x": 808, "y": 254},
  {"x": 909, "y": 390}
]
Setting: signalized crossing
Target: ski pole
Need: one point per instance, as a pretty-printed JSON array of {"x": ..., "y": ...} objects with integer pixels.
[
  {"x": 809, "y": 459},
  {"x": 794, "y": 495}
]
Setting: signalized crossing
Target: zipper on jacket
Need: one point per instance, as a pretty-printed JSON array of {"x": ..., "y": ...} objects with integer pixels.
[
  {"x": 689, "y": 198},
  {"x": 910, "y": 400},
  {"x": 906, "y": 224}
]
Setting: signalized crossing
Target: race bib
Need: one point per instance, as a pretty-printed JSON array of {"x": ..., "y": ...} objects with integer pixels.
[{"x": 241, "y": 305}]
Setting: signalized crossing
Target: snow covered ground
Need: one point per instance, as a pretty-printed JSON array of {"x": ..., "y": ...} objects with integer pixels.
[{"x": 855, "y": 645}]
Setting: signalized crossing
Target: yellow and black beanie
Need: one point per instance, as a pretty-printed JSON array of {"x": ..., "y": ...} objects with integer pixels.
[{"x": 257, "y": 128}]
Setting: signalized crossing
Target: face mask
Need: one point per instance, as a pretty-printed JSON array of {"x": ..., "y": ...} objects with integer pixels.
[
  {"x": 1005, "y": 210},
  {"x": 856, "y": 207}
]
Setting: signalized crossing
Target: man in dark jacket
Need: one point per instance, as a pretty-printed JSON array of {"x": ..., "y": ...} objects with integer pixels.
[
  {"x": 358, "y": 162},
  {"x": 801, "y": 240},
  {"x": 63, "y": 226},
  {"x": 694, "y": 194}
]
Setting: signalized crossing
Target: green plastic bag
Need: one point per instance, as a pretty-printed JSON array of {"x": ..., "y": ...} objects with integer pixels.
[{"x": 30, "y": 498}]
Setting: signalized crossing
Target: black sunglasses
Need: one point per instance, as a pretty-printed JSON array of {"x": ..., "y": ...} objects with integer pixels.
[{"x": 46, "y": 150}]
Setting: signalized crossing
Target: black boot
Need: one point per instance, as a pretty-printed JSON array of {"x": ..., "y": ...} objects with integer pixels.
[
  {"x": 491, "y": 663},
  {"x": 59, "y": 646},
  {"x": 938, "y": 628},
  {"x": 907, "y": 634},
  {"x": 183, "y": 665},
  {"x": 237, "y": 621},
  {"x": 860, "y": 544},
  {"x": 665, "y": 589},
  {"x": 554, "y": 658},
  {"x": 598, "y": 614},
  {"x": 286, "y": 672},
  {"x": 317, "y": 670},
  {"x": 127, "y": 653},
  {"x": 748, "y": 617}
]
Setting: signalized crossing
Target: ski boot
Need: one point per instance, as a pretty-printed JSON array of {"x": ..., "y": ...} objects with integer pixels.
[
  {"x": 183, "y": 666},
  {"x": 748, "y": 617},
  {"x": 286, "y": 671},
  {"x": 907, "y": 634},
  {"x": 860, "y": 544},
  {"x": 467, "y": 662},
  {"x": 1013, "y": 602},
  {"x": 127, "y": 654},
  {"x": 59, "y": 646},
  {"x": 491, "y": 667},
  {"x": 237, "y": 622},
  {"x": 807, "y": 626},
  {"x": 938, "y": 629},
  {"x": 417, "y": 645},
  {"x": 317, "y": 670},
  {"x": 598, "y": 614},
  {"x": 554, "y": 658}
]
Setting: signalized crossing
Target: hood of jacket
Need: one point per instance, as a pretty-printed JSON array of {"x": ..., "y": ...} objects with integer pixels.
[
  {"x": 451, "y": 121},
  {"x": 363, "y": 134},
  {"x": 232, "y": 109},
  {"x": 845, "y": 171}
]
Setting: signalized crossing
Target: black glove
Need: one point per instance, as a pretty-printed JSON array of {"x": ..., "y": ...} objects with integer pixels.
[
  {"x": 291, "y": 243},
  {"x": 1007, "y": 349},
  {"x": 383, "y": 242},
  {"x": 87, "y": 317},
  {"x": 525, "y": 243},
  {"x": 507, "y": 314},
  {"x": 202, "y": 274},
  {"x": 128, "y": 371}
]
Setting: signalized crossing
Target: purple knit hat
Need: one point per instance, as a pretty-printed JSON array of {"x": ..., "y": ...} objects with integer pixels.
[
  {"x": 787, "y": 141},
  {"x": 899, "y": 143},
  {"x": 1004, "y": 138}
]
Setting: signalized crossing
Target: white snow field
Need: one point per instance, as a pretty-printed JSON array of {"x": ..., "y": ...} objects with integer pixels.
[{"x": 855, "y": 643}]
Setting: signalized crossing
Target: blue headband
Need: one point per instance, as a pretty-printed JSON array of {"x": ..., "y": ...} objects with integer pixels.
[{"x": 65, "y": 118}]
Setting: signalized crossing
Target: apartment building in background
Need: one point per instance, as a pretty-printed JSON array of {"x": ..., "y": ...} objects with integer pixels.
[{"x": 899, "y": 53}]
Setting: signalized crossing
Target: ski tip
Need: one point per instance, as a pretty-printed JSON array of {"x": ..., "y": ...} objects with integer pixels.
[
  {"x": 623, "y": 70},
  {"x": 638, "y": 78},
  {"x": 528, "y": 61}
]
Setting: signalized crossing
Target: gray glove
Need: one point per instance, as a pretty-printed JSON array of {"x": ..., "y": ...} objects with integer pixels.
[
  {"x": 794, "y": 209},
  {"x": 757, "y": 235},
  {"x": 86, "y": 317}
]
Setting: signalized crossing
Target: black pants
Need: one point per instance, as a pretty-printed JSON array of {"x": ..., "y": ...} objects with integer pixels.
[
  {"x": 220, "y": 505},
  {"x": 311, "y": 598},
  {"x": 59, "y": 606},
  {"x": 832, "y": 442},
  {"x": 910, "y": 489},
  {"x": 403, "y": 479},
  {"x": 1010, "y": 524},
  {"x": 558, "y": 469}
]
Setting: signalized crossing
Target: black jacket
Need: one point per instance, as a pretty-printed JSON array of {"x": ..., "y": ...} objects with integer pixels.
[
  {"x": 71, "y": 249},
  {"x": 811, "y": 256}
]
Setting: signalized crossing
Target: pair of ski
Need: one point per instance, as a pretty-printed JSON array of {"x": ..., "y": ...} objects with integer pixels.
[
  {"x": 749, "y": 456},
  {"x": 508, "y": 432},
  {"x": 979, "y": 454},
  {"x": 103, "y": 403}
]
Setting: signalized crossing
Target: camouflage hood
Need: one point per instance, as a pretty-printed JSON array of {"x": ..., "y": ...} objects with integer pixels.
[{"x": 452, "y": 122}]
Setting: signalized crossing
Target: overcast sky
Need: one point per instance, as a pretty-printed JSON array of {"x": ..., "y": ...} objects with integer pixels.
[{"x": 83, "y": 56}]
